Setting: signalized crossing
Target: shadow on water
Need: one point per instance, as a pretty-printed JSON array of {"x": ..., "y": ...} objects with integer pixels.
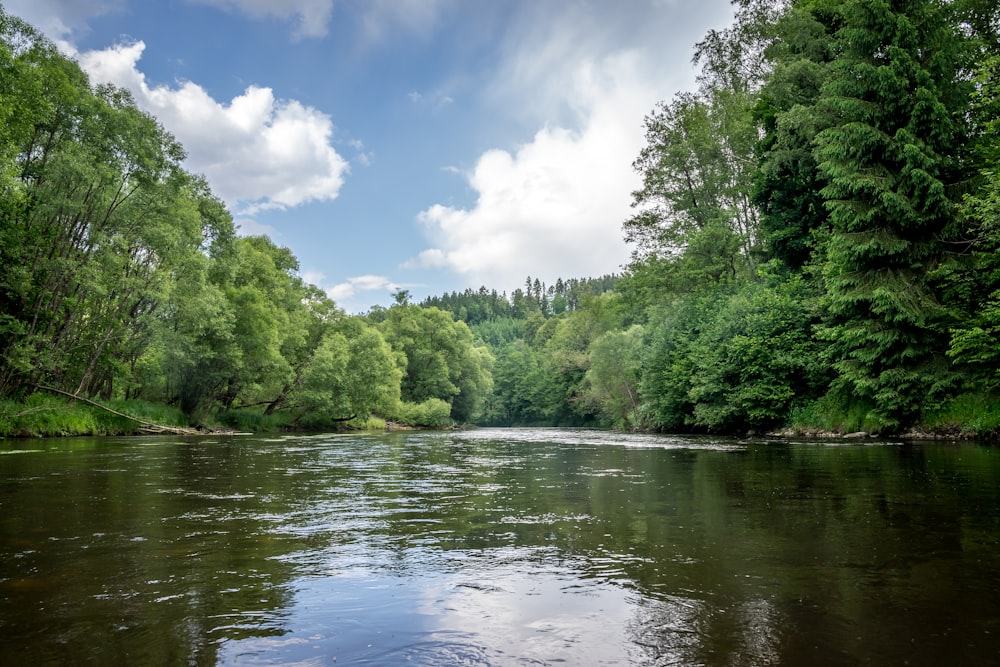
[{"x": 498, "y": 547}]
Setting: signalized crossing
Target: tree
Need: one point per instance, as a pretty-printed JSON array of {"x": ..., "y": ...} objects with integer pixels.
[
  {"x": 612, "y": 378},
  {"x": 352, "y": 374},
  {"x": 96, "y": 215},
  {"x": 975, "y": 339},
  {"x": 794, "y": 220},
  {"x": 696, "y": 169},
  {"x": 441, "y": 359},
  {"x": 896, "y": 97}
]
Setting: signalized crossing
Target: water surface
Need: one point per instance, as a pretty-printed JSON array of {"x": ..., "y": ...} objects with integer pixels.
[{"x": 497, "y": 547}]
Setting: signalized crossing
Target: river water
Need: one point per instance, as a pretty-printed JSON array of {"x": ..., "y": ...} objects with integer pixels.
[{"x": 497, "y": 547}]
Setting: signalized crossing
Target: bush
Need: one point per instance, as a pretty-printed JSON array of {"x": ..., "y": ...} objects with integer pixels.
[{"x": 432, "y": 413}]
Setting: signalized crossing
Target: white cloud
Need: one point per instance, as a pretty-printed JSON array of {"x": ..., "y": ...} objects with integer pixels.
[
  {"x": 58, "y": 19},
  {"x": 314, "y": 277},
  {"x": 417, "y": 17},
  {"x": 553, "y": 206},
  {"x": 346, "y": 291},
  {"x": 313, "y": 16},
  {"x": 433, "y": 258},
  {"x": 436, "y": 100},
  {"x": 256, "y": 151}
]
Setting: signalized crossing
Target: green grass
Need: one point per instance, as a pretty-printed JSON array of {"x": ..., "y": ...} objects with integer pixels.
[
  {"x": 833, "y": 415},
  {"x": 971, "y": 414},
  {"x": 42, "y": 415}
]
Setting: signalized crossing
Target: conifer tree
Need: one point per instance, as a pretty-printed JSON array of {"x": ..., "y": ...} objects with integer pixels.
[{"x": 896, "y": 98}]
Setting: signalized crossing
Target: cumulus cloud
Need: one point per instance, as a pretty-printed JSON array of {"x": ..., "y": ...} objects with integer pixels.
[
  {"x": 553, "y": 206},
  {"x": 257, "y": 152},
  {"x": 312, "y": 16}
]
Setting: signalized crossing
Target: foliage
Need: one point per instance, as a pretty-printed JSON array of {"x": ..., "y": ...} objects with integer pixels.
[
  {"x": 46, "y": 415},
  {"x": 896, "y": 100},
  {"x": 613, "y": 375},
  {"x": 696, "y": 181},
  {"x": 483, "y": 306},
  {"x": 441, "y": 359},
  {"x": 975, "y": 413},
  {"x": 975, "y": 340},
  {"x": 430, "y": 413},
  {"x": 815, "y": 241},
  {"x": 96, "y": 211},
  {"x": 787, "y": 187}
]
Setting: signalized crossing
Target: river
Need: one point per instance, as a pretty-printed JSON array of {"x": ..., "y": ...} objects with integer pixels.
[{"x": 497, "y": 547}]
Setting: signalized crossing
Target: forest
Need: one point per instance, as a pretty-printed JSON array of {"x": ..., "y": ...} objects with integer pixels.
[{"x": 815, "y": 247}]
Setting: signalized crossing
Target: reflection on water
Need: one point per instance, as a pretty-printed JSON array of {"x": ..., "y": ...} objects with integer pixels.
[{"x": 497, "y": 547}]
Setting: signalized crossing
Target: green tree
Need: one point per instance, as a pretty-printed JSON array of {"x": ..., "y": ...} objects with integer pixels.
[
  {"x": 96, "y": 214},
  {"x": 352, "y": 374},
  {"x": 696, "y": 169},
  {"x": 897, "y": 98},
  {"x": 975, "y": 340},
  {"x": 787, "y": 188},
  {"x": 755, "y": 359},
  {"x": 522, "y": 389},
  {"x": 613, "y": 374},
  {"x": 442, "y": 360}
]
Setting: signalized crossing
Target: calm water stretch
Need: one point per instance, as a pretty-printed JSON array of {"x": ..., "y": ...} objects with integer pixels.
[{"x": 497, "y": 547}]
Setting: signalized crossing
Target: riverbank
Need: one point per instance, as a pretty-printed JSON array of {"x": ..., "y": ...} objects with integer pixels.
[
  {"x": 48, "y": 416},
  {"x": 968, "y": 417}
]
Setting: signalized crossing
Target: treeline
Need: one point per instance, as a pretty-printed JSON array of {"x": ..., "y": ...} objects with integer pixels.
[
  {"x": 123, "y": 280},
  {"x": 815, "y": 239},
  {"x": 482, "y": 305}
]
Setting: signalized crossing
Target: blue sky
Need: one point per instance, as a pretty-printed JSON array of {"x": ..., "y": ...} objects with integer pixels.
[{"x": 427, "y": 145}]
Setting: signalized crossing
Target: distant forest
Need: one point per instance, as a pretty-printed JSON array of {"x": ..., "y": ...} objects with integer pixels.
[{"x": 815, "y": 246}]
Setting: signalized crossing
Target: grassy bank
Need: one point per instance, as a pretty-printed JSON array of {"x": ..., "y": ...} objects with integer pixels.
[
  {"x": 42, "y": 415},
  {"x": 966, "y": 416}
]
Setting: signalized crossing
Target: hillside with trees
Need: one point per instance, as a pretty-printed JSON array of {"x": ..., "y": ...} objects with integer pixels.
[{"x": 814, "y": 244}]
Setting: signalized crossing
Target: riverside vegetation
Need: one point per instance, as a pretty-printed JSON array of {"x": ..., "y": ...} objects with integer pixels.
[{"x": 815, "y": 246}]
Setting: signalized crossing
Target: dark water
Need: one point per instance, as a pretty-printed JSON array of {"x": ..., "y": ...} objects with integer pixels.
[{"x": 497, "y": 547}]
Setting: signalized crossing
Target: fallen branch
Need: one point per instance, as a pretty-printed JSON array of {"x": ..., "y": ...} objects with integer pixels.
[{"x": 147, "y": 427}]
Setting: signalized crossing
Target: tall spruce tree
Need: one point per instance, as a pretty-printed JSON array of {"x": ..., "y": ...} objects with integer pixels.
[{"x": 896, "y": 96}]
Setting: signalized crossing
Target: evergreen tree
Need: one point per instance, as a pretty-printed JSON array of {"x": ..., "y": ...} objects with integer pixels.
[{"x": 896, "y": 99}]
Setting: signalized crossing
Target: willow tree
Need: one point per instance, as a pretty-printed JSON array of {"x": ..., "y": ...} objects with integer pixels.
[{"x": 895, "y": 95}]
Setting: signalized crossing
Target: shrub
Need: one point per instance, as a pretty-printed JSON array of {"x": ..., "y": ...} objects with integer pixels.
[{"x": 432, "y": 413}]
